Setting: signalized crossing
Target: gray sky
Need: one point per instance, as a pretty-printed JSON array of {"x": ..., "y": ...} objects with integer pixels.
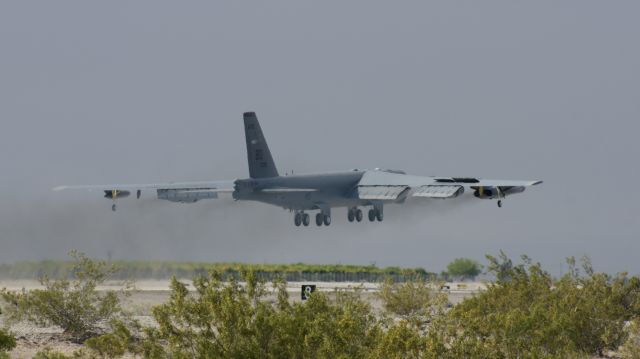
[{"x": 152, "y": 91}]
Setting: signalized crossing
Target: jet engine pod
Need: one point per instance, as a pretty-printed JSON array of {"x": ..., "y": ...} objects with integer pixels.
[
  {"x": 491, "y": 192},
  {"x": 486, "y": 192},
  {"x": 116, "y": 193}
]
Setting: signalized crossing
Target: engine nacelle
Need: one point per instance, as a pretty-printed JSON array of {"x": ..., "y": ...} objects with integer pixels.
[
  {"x": 190, "y": 195},
  {"x": 487, "y": 192},
  {"x": 491, "y": 192},
  {"x": 116, "y": 193}
]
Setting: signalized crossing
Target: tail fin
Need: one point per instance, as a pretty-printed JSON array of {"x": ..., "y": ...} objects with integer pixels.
[{"x": 261, "y": 163}]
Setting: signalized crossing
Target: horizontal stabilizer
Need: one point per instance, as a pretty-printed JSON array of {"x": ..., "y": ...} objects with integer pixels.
[
  {"x": 437, "y": 191},
  {"x": 381, "y": 192}
]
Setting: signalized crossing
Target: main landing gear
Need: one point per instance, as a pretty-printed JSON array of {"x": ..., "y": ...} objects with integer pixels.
[
  {"x": 355, "y": 214},
  {"x": 322, "y": 218},
  {"x": 301, "y": 218},
  {"x": 376, "y": 213}
]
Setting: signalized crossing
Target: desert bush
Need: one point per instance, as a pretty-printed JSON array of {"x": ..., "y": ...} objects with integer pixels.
[
  {"x": 528, "y": 314},
  {"x": 415, "y": 301},
  {"x": 114, "y": 344},
  {"x": 401, "y": 340},
  {"x": 74, "y": 305},
  {"x": 229, "y": 320},
  {"x": 7, "y": 341},
  {"x": 631, "y": 348},
  {"x": 48, "y": 353}
]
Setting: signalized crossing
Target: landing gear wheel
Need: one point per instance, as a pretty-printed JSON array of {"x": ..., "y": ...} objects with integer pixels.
[
  {"x": 358, "y": 215},
  {"x": 113, "y": 207},
  {"x": 319, "y": 219},
  {"x": 372, "y": 215},
  {"x": 297, "y": 219},
  {"x": 499, "y": 203},
  {"x": 305, "y": 219},
  {"x": 351, "y": 216},
  {"x": 327, "y": 220},
  {"x": 379, "y": 215}
]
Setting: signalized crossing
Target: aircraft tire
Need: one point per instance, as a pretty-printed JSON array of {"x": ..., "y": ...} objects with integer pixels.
[
  {"x": 379, "y": 216},
  {"x": 351, "y": 216},
  {"x": 372, "y": 215},
  {"x": 305, "y": 219},
  {"x": 297, "y": 219},
  {"x": 499, "y": 203},
  {"x": 358, "y": 215},
  {"x": 113, "y": 207},
  {"x": 319, "y": 219},
  {"x": 327, "y": 220}
]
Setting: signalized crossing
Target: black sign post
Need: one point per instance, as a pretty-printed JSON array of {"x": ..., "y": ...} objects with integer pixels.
[{"x": 307, "y": 289}]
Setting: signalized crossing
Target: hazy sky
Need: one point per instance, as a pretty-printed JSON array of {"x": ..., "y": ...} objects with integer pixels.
[{"x": 154, "y": 91}]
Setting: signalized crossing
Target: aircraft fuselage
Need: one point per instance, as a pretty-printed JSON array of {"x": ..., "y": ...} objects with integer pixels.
[{"x": 302, "y": 192}]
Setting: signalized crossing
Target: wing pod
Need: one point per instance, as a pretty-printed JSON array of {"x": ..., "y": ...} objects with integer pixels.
[{"x": 492, "y": 192}]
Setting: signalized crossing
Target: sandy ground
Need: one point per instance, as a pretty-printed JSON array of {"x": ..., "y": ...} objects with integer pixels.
[{"x": 149, "y": 293}]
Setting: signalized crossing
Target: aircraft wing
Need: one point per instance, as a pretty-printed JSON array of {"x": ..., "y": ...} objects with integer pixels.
[
  {"x": 183, "y": 192},
  {"x": 390, "y": 186},
  {"x": 218, "y": 186}
]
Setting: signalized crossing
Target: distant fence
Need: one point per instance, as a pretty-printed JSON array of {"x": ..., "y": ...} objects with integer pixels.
[{"x": 163, "y": 270}]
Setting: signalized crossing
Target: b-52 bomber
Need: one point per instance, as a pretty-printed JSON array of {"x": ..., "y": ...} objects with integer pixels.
[{"x": 302, "y": 193}]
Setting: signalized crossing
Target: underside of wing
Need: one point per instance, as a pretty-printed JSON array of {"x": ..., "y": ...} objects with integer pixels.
[
  {"x": 183, "y": 192},
  {"x": 381, "y": 192},
  {"x": 220, "y": 186},
  {"x": 391, "y": 186},
  {"x": 438, "y": 191}
]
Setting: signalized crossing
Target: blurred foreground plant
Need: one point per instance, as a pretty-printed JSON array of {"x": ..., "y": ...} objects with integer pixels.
[
  {"x": 74, "y": 305},
  {"x": 527, "y": 313},
  {"x": 7, "y": 341},
  {"x": 234, "y": 320}
]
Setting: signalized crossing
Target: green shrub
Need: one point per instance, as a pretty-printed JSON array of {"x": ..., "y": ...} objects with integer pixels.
[
  {"x": 415, "y": 301},
  {"x": 229, "y": 320},
  {"x": 74, "y": 305},
  {"x": 631, "y": 348},
  {"x": 7, "y": 341},
  {"x": 114, "y": 344},
  {"x": 527, "y": 313},
  {"x": 48, "y": 353}
]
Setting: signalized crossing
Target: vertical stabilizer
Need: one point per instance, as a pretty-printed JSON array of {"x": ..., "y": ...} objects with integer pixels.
[{"x": 261, "y": 163}]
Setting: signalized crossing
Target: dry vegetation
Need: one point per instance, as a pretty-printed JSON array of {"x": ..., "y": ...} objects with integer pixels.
[{"x": 525, "y": 313}]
